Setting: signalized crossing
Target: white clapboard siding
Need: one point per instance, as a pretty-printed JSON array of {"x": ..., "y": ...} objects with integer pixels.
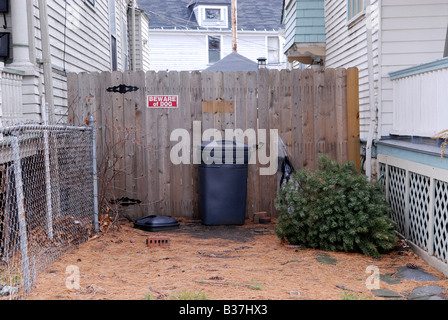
[
  {"x": 347, "y": 47},
  {"x": 177, "y": 50},
  {"x": 186, "y": 50},
  {"x": 413, "y": 32},
  {"x": 69, "y": 44},
  {"x": 79, "y": 40},
  {"x": 141, "y": 41}
]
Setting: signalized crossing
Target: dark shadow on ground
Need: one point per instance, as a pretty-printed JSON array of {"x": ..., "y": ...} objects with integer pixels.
[{"x": 242, "y": 233}]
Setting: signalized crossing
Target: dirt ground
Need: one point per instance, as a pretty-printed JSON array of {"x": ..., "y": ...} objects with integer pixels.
[{"x": 222, "y": 262}]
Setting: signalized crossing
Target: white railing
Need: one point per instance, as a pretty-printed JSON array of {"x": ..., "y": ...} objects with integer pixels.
[
  {"x": 11, "y": 110},
  {"x": 420, "y": 99}
]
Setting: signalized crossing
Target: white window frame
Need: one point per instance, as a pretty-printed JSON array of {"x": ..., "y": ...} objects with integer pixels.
[
  {"x": 208, "y": 49},
  {"x": 212, "y": 23},
  {"x": 445, "y": 53},
  {"x": 113, "y": 35},
  {"x": 90, "y": 3},
  {"x": 354, "y": 16},
  {"x": 215, "y": 9},
  {"x": 278, "y": 50}
]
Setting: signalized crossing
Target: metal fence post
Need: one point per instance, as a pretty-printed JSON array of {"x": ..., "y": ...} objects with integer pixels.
[
  {"x": 48, "y": 186},
  {"x": 21, "y": 211},
  {"x": 94, "y": 174}
]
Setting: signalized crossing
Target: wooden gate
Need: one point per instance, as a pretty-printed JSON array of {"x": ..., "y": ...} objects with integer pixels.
[{"x": 314, "y": 112}]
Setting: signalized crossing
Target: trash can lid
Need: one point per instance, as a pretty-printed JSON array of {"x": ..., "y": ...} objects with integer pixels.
[
  {"x": 155, "y": 223},
  {"x": 218, "y": 151},
  {"x": 225, "y": 144}
]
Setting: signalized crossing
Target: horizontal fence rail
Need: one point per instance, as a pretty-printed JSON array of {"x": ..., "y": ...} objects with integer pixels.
[{"x": 47, "y": 199}]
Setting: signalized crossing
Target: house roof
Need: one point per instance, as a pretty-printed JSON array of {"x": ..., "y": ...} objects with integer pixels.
[
  {"x": 252, "y": 15},
  {"x": 234, "y": 62}
]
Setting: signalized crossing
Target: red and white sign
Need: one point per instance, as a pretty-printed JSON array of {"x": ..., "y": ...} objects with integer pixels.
[{"x": 161, "y": 101}]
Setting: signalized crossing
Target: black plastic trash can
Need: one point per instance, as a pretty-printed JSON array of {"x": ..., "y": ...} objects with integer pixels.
[{"x": 223, "y": 182}]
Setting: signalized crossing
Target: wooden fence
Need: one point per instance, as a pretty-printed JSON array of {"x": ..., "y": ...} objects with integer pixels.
[{"x": 314, "y": 112}]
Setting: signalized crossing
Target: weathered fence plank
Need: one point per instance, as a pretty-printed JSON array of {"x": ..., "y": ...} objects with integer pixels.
[
  {"x": 353, "y": 134},
  {"x": 251, "y": 118},
  {"x": 341, "y": 115},
  {"x": 296, "y": 120},
  {"x": 309, "y": 159},
  {"x": 152, "y": 136},
  {"x": 163, "y": 147},
  {"x": 196, "y": 116},
  {"x": 141, "y": 160},
  {"x": 118, "y": 138}
]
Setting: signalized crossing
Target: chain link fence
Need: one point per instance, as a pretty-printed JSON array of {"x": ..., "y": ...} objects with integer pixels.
[{"x": 47, "y": 199}]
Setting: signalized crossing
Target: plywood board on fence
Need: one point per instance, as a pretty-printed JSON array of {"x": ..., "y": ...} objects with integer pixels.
[{"x": 313, "y": 111}]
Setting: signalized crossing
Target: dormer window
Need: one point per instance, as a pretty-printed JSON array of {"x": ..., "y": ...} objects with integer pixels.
[
  {"x": 213, "y": 14},
  {"x": 209, "y": 16}
]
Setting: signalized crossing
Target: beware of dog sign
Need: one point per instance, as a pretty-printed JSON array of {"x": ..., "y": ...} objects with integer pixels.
[{"x": 163, "y": 101}]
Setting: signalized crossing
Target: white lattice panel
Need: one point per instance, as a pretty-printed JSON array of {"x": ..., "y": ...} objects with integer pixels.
[
  {"x": 441, "y": 220},
  {"x": 397, "y": 196},
  {"x": 419, "y": 198},
  {"x": 382, "y": 179},
  {"x": 418, "y": 195}
]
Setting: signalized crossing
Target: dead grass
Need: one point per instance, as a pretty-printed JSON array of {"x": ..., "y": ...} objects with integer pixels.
[{"x": 222, "y": 262}]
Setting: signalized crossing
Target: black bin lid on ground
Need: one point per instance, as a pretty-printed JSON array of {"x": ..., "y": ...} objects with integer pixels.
[{"x": 156, "y": 223}]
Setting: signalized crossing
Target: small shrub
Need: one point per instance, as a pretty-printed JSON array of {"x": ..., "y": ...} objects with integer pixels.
[{"x": 334, "y": 208}]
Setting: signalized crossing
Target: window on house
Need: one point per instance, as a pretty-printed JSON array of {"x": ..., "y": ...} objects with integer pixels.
[
  {"x": 354, "y": 7},
  {"x": 124, "y": 45},
  {"x": 113, "y": 35},
  {"x": 91, "y": 2},
  {"x": 114, "y": 54},
  {"x": 445, "y": 54},
  {"x": 214, "y": 49},
  {"x": 212, "y": 14},
  {"x": 273, "y": 50}
]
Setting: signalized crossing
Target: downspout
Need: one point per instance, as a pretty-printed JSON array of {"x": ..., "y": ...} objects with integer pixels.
[
  {"x": 373, "y": 111},
  {"x": 46, "y": 59},
  {"x": 134, "y": 54}
]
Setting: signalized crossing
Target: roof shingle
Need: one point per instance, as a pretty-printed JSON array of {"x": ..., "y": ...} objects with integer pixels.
[{"x": 252, "y": 15}]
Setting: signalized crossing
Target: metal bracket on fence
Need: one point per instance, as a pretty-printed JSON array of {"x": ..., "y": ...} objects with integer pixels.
[
  {"x": 21, "y": 212},
  {"x": 122, "y": 88}
]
